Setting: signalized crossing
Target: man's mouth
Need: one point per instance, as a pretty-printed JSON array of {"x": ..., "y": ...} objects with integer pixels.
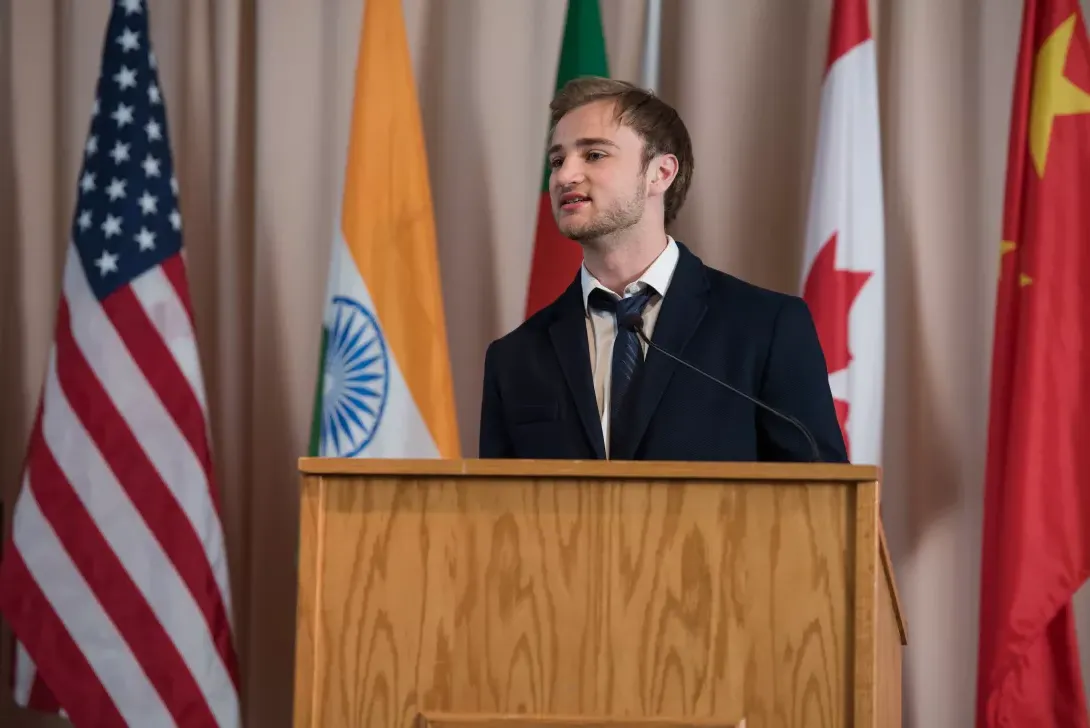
[{"x": 573, "y": 201}]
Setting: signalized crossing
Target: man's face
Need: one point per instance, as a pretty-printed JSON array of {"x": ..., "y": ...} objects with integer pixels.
[{"x": 597, "y": 183}]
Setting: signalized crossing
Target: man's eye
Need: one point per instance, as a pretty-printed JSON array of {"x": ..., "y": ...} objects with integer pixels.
[{"x": 593, "y": 156}]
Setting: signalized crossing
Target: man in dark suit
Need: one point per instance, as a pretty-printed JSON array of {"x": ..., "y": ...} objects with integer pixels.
[{"x": 572, "y": 383}]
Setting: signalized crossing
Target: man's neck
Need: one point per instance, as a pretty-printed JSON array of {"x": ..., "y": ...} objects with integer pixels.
[{"x": 618, "y": 264}]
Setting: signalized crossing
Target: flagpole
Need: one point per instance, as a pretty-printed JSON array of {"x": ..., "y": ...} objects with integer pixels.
[{"x": 652, "y": 32}]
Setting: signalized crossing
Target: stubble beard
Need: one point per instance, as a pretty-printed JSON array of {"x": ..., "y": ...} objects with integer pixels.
[{"x": 607, "y": 225}]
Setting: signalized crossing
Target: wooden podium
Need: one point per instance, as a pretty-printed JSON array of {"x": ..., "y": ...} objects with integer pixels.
[{"x": 525, "y": 594}]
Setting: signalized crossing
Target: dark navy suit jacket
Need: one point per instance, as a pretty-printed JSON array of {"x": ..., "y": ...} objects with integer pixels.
[{"x": 538, "y": 399}]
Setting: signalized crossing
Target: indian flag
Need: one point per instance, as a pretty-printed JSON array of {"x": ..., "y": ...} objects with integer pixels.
[{"x": 384, "y": 386}]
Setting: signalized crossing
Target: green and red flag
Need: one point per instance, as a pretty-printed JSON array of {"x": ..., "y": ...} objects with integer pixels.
[
  {"x": 1036, "y": 542},
  {"x": 556, "y": 259}
]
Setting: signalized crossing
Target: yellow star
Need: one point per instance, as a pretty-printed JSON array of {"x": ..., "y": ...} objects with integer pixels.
[
  {"x": 1053, "y": 94},
  {"x": 1007, "y": 246}
]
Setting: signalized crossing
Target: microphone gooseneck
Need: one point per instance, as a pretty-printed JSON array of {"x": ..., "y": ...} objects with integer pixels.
[{"x": 634, "y": 322}]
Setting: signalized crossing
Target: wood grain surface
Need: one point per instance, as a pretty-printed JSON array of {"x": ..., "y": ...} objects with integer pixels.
[{"x": 687, "y": 600}]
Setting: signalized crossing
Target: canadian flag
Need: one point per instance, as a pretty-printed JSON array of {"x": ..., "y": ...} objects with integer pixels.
[{"x": 843, "y": 273}]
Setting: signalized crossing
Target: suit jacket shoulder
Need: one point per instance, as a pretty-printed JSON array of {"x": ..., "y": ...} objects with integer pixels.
[
  {"x": 778, "y": 331},
  {"x": 793, "y": 369},
  {"x": 730, "y": 290},
  {"x": 528, "y": 373},
  {"x": 537, "y": 325}
]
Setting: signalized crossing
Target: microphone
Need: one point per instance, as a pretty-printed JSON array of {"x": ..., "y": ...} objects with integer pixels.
[{"x": 634, "y": 322}]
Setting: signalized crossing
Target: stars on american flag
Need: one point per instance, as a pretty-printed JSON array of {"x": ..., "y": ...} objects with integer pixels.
[
  {"x": 129, "y": 41},
  {"x": 146, "y": 239},
  {"x": 122, "y": 115},
  {"x": 131, "y": 6},
  {"x": 151, "y": 166},
  {"x": 111, "y": 226},
  {"x": 120, "y": 152},
  {"x": 116, "y": 190},
  {"x": 126, "y": 78},
  {"x": 106, "y": 263},
  {"x": 127, "y": 218},
  {"x": 148, "y": 203}
]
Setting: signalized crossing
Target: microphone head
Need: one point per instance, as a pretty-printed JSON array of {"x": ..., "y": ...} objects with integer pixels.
[{"x": 632, "y": 322}]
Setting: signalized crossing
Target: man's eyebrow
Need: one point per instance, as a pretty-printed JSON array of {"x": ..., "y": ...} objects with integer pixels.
[{"x": 585, "y": 142}]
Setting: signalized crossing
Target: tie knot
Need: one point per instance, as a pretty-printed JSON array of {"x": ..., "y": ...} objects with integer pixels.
[{"x": 605, "y": 301}]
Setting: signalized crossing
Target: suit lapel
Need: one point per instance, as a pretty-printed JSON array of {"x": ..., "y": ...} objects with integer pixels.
[
  {"x": 568, "y": 333},
  {"x": 682, "y": 310}
]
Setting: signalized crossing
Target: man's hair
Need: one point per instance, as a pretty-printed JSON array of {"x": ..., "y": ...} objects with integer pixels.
[{"x": 656, "y": 122}]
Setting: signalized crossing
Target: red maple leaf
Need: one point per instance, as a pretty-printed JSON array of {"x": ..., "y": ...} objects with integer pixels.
[{"x": 830, "y": 293}]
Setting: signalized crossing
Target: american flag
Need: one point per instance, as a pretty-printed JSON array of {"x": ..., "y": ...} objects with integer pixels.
[{"x": 115, "y": 579}]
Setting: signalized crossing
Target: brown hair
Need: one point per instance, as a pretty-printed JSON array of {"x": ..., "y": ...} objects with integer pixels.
[{"x": 657, "y": 123}]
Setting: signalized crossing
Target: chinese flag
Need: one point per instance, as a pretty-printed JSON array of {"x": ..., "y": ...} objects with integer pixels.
[{"x": 1036, "y": 548}]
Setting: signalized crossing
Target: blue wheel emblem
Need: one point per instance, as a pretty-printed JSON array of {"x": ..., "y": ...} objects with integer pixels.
[{"x": 355, "y": 380}]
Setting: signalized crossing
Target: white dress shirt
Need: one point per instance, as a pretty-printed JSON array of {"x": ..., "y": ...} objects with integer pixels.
[{"x": 602, "y": 325}]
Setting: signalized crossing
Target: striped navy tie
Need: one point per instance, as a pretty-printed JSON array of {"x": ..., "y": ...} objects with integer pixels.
[{"x": 627, "y": 352}]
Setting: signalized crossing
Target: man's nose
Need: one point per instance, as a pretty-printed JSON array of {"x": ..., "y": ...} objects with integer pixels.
[{"x": 570, "y": 172}]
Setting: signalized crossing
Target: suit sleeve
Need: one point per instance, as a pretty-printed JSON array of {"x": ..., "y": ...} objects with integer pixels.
[
  {"x": 493, "y": 441},
  {"x": 796, "y": 382}
]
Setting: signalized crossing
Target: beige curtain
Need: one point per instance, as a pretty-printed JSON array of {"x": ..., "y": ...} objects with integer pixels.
[{"x": 258, "y": 94}]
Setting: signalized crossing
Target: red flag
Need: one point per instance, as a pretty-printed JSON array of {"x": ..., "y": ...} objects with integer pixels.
[
  {"x": 1036, "y": 550},
  {"x": 843, "y": 276},
  {"x": 556, "y": 259}
]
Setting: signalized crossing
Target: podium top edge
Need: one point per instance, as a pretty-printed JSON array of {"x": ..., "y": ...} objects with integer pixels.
[{"x": 603, "y": 469}]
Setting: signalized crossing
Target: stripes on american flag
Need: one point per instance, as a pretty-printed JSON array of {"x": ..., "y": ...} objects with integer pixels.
[{"x": 115, "y": 578}]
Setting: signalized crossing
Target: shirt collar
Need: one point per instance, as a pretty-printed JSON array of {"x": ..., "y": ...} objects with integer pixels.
[{"x": 657, "y": 275}]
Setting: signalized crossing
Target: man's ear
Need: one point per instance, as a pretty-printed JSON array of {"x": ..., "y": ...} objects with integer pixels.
[{"x": 664, "y": 169}]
